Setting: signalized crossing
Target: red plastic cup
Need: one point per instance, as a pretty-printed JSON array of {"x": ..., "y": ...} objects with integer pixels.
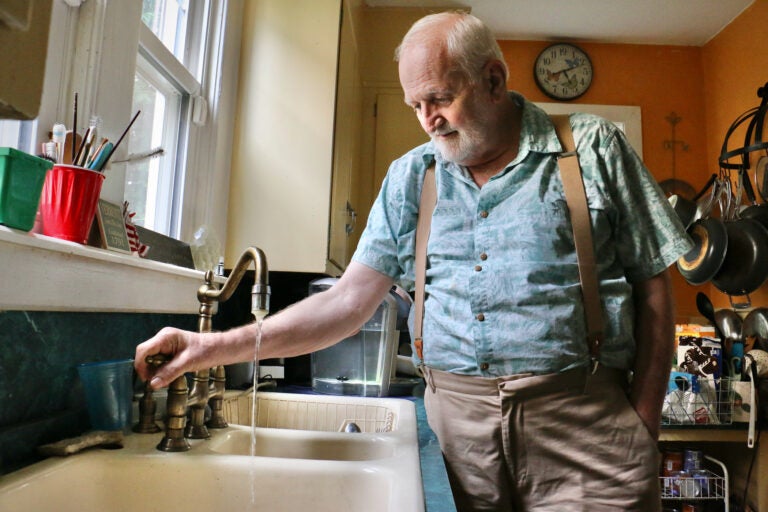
[{"x": 68, "y": 202}]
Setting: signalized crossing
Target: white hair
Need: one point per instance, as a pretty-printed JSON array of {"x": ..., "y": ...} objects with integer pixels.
[{"x": 469, "y": 42}]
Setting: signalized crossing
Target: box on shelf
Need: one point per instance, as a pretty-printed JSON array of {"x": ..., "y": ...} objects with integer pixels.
[{"x": 21, "y": 184}]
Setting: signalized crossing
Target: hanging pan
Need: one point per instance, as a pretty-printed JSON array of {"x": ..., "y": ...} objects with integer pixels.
[
  {"x": 710, "y": 239},
  {"x": 743, "y": 270}
]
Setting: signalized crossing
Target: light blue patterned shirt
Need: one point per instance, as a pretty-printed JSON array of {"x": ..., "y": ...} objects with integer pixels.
[{"x": 502, "y": 293}]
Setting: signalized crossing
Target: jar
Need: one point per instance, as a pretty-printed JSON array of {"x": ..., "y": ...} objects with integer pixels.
[{"x": 692, "y": 460}]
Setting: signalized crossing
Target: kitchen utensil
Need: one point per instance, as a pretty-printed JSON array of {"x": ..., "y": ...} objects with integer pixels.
[
  {"x": 704, "y": 200},
  {"x": 749, "y": 368},
  {"x": 734, "y": 367},
  {"x": 707, "y": 310},
  {"x": 755, "y": 366},
  {"x": 755, "y": 327},
  {"x": 729, "y": 322},
  {"x": 730, "y": 325}
]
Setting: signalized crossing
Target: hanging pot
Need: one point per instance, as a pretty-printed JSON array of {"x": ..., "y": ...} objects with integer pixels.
[
  {"x": 710, "y": 239},
  {"x": 701, "y": 263},
  {"x": 744, "y": 268}
]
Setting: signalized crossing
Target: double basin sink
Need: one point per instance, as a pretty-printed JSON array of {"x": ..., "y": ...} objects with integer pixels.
[{"x": 298, "y": 457}]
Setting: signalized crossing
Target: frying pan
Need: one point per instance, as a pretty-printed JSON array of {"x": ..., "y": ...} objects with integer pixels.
[
  {"x": 743, "y": 270},
  {"x": 710, "y": 239}
]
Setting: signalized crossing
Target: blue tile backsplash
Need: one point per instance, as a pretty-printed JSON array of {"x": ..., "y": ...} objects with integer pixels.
[
  {"x": 40, "y": 396},
  {"x": 41, "y": 400}
]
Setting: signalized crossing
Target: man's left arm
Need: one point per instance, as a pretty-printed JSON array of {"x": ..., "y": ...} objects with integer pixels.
[{"x": 654, "y": 335}]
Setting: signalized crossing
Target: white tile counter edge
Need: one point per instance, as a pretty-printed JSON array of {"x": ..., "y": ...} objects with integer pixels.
[{"x": 39, "y": 273}]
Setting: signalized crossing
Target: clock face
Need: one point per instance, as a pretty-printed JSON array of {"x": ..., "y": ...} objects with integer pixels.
[{"x": 563, "y": 71}]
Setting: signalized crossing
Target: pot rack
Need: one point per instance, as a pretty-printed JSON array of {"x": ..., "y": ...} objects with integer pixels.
[{"x": 753, "y": 139}]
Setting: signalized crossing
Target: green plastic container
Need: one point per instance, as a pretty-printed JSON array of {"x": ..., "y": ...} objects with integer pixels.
[{"x": 21, "y": 183}]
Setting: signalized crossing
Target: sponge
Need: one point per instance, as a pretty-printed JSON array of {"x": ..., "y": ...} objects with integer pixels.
[{"x": 74, "y": 445}]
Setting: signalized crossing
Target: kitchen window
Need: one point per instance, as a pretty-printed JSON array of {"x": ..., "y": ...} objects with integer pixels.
[
  {"x": 176, "y": 61},
  {"x": 167, "y": 88},
  {"x": 186, "y": 91}
]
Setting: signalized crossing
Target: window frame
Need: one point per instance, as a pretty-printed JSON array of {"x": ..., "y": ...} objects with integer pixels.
[{"x": 92, "y": 49}]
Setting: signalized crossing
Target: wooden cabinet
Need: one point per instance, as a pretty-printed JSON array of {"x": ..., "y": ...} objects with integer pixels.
[
  {"x": 24, "y": 27},
  {"x": 294, "y": 145}
]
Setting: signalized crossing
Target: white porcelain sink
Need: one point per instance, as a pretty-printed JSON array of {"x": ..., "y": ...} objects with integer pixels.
[{"x": 293, "y": 470}]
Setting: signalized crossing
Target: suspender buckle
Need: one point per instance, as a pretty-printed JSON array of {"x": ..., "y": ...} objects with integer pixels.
[{"x": 418, "y": 343}]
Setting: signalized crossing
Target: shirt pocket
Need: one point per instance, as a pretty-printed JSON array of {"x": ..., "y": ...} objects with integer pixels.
[
  {"x": 540, "y": 230},
  {"x": 452, "y": 230}
]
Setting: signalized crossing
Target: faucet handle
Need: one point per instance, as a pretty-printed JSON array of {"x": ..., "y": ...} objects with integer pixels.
[{"x": 158, "y": 360}]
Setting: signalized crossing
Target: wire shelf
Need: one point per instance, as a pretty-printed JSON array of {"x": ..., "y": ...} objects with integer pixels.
[
  {"x": 704, "y": 485},
  {"x": 709, "y": 402}
]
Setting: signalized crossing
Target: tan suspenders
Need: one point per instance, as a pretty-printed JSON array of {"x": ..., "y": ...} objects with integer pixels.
[{"x": 575, "y": 196}]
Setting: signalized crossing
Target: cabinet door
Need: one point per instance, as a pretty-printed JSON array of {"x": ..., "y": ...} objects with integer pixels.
[
  {"x": 282, "y": 159},
  {"x": 346, "y": 147}
]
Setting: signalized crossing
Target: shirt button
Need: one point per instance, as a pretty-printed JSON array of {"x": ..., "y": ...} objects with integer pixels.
[
  {"x": 480, "y": 317},
  {"x": 483, "y": 256},
  {"x": 484, "y": 214},
  {"x": 478, "y": 268},
  {"x": 484, "y": 366}
]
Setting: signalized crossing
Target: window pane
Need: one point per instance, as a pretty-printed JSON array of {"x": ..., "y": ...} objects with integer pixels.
[
  {"x": 167, "y": 19},
  {"x": 149, "y": 182},
  {"x": 18, "y": 135}
]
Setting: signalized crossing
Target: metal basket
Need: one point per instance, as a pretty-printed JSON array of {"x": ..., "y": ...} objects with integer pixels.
[{"x": 711, "y": 405}]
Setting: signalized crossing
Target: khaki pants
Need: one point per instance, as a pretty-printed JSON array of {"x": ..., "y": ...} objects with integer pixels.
[{"x": 545, "y": 443}]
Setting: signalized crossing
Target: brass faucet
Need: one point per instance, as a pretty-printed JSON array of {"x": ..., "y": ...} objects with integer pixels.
[{"x": 208, "y": 385}]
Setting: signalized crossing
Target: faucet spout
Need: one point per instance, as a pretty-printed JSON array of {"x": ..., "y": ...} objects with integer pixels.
[
  {"x": 208, "y": 385},
  {"x": 259, "y": 293}
]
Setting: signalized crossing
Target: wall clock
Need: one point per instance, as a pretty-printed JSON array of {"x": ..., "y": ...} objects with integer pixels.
[{"x": 563, "y": 71}]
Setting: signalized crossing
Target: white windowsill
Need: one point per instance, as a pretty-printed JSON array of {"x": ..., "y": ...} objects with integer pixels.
[{"x": 40, "y": 273}]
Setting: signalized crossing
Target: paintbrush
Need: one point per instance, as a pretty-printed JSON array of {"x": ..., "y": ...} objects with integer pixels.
[
  {"x": 104, "y": 163},
  {"x": 74, "y": 131}
]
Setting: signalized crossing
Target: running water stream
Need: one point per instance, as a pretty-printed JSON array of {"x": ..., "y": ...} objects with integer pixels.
[{"x": 254, "y": 406}]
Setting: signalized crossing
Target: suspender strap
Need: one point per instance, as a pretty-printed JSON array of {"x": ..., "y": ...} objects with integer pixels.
[
  {"x": 426, "y": 207},
  {"x": 576, "y": 198}
]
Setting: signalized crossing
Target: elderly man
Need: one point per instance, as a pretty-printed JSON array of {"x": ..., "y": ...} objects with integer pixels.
[{"x": 523, "y": 422}]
